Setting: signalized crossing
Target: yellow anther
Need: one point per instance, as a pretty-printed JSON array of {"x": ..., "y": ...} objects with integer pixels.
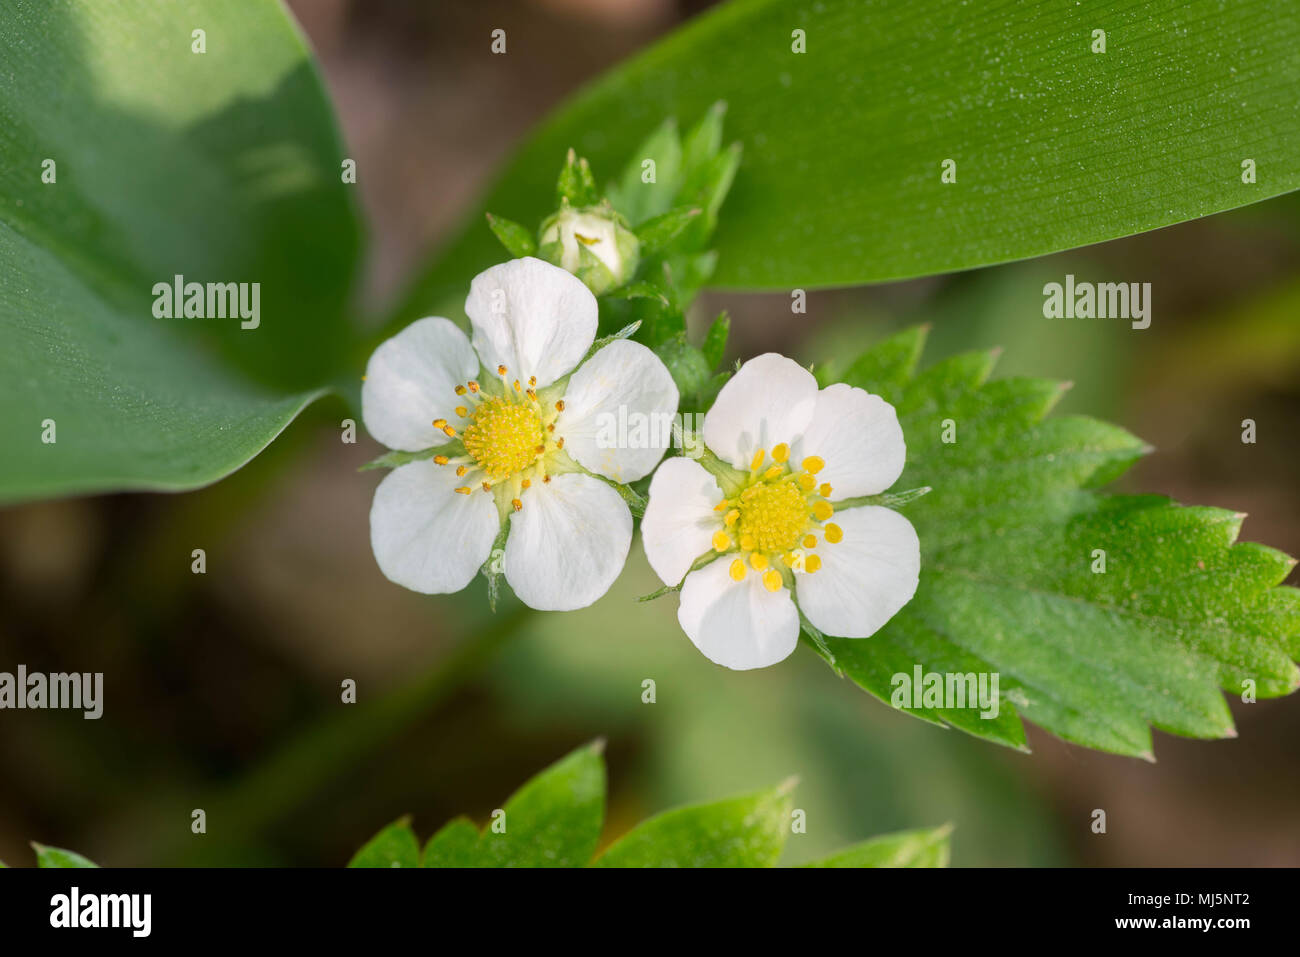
[
  {"x": 833, "y": 533},
  {"x": 747, "y": 542},
  {"x": 439, "y": 423},
  {"x": 448, "y": 431},
  {"x": 460, "y": 390},
  {"x": 440, "y": 460},
  {"x": 501, "y": 370},
  {"x": 737, "y": 570},
  {"x": 780, "y": 453},
  {"x": 531, "y": 394},
  {"x": 813, "y": 464},
  {"x": 559, "y": 406},
  {"x": 464, "y": 490},
  {"x": 518, "y": 387},
  {"x": 772, "y": 580},
  {"x": 773, "y": 472},
  {"x": 473, "y": 386},
  {"x": 462, "y": 411},
  {"x": 757, "y": 464},
  {"x": 758, "y": 561},
  {"x": 720, "y": 506},
  {"x": 825, "y": 490},
  {"x": 461, "y": 470},
  {"x": 721, "y": 541},
  {"x": 532, "y": 380},
  {"x": 811, "y": 563},
  {"x": 517, "y": 504},
  {"x": 731, "y": 516},
  {"x": 810, "y": 541},
  {"x": 822, "y": 510},
  {"x": 806, "y": 482},
  {"x": 526, "y": 483},
  {"x": 559, "y": 443}
]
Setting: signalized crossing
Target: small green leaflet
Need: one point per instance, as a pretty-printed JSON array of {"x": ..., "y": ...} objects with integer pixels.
[
  {"x": 1011, "y": 537},
  {"x": 555, "y": 820},
  {"x": 57, "y": 857}
]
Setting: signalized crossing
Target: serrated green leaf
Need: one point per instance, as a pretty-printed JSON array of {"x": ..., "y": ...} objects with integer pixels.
[
  {"x": 1009, "y": 536},
  {"x": 517, "y": 239},
  {"x": 394, "y": 846},
  {"x": 715, "y": 340},
  {"x": 658, "y": 233},
  {"x": 57, "y": 857},
  {"x": 555, "y": 819},
  {"x": 842, "y": 184},
  {"x": 633, "y": 196},
  {"x": 221, "y": 167},
  {"x": 921, "y": 848},
  {"x": 455, "y": 845},
  {"x": 747, "y": 831}
]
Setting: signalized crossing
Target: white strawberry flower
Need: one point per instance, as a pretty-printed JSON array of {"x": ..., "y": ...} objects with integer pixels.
[
  {"x": 517, "y": 415},
  {"x": 780, "y": 525}
]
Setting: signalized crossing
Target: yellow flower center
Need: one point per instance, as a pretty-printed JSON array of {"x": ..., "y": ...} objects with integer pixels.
[
  {"x": 503, "y": 437},
  {"x": 772, "y": 517},
  {"x": 774, "y": 520},
  {"x": 508, "y": 438}
]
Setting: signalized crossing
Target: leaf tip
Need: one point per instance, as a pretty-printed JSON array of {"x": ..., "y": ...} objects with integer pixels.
[{"x": 597, "y": 746}]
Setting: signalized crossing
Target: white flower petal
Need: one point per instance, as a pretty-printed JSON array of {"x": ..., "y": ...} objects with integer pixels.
[
  {"x": 679, "y": 519},
  {"x": 618, "y": 412},
  {"x": 531, "y": 317},
  {"x": 737, "y": 624},
  {"x": 568, "y": 543},
  {"x": 410, "y": 381},
  {"x": 424, "y": 535},
  {"x": 769, "y": 401},
  {"x": 865, "y": 579},
  {"x": 858, "y": 436}
]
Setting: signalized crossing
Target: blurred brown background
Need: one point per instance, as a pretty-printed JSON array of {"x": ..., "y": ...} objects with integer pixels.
[{"x": 222, "y": 690}]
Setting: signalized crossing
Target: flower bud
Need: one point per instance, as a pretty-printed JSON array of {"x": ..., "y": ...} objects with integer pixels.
[{"x": 593, "y": 243}]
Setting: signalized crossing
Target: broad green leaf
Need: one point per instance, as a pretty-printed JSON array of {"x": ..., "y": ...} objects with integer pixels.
[
  {"x": 1010, "y": 537},
  {"x": 222, "y": 167},
  {"x": 747, "y": 831},
  {"x": 554, "y": 820},
  {"x": 922, "y": 848},
  {"x": 394, "y": 846},
  {"x": 1055, "y": 146},
  {"x": 455, "y": 845},
  {"x": 57, "y": 857}
]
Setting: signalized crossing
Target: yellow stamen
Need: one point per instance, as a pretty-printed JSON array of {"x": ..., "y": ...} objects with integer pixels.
[
  {"x": 758, "y": 561},
  {"x": 747, "y": 542},
  {"x": 462, "y": 411},
  {"x": 448, "y": 431},
  {"x": 737, "y": 571},
  {"x": 501, "y": 370},
  {"x": 757, "y": 464},
  {"x": 721, "y": 541},
  {"x": 806, "y": 482},
  {"x": 772, "y": 580},
  {"x": 834, "y": 533},
  {"x": 473, "y": 386},
  {"x": 813, "y": 464},
  {"x": 439, "y": 423},
  {"x": 825, "y": 490},
  {"x": 461, "y": 470},
  {"x": 460, "y": 390},
  {"x": 559, "y": 406},
  {"x": 810, "y": 541},
  {"x": 822, "y": 510},
  {"x": 440, "y": 460},
  {"x": 464, "y": 490},
  {"x": 780, "y": 453},
  {"x": 811, "y": 563},
  {"x": 773, "y": 472},
  {"x": 517, "y": 504},
  {"x": 731, "y": 516},
  {"x": 526, "y": 483}
]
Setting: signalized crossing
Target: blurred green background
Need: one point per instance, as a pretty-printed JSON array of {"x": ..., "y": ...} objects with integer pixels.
[{"x": 222, "y": 690}]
